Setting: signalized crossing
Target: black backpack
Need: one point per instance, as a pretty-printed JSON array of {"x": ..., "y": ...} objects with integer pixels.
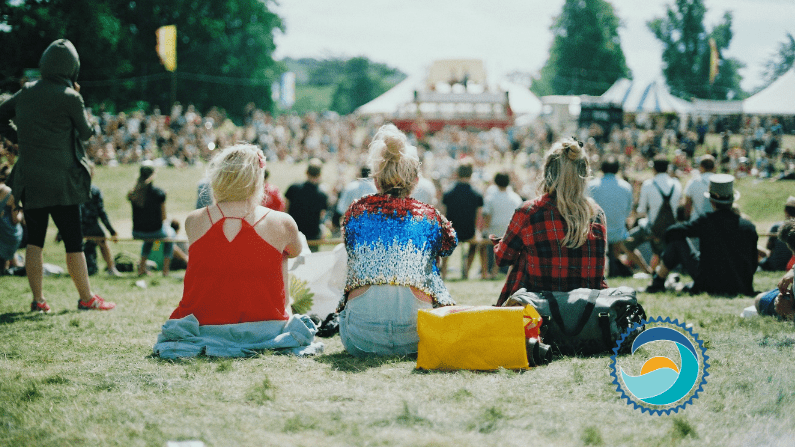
[
  {"x": 584, "y": 321},
  {"x": 665, "y": 217}
]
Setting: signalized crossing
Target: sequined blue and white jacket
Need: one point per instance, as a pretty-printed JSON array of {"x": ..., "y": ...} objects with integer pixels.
[{"x": 396, "y": 241}]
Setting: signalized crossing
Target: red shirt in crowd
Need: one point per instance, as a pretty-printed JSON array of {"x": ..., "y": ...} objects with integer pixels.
[{"x": 273, "y": 198}]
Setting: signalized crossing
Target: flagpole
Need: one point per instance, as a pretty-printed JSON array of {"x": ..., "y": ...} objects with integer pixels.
[{"x": 173, "y": 95}]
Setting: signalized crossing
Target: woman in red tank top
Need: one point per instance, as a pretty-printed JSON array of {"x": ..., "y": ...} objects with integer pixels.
[{"x": 238, "y": 249}]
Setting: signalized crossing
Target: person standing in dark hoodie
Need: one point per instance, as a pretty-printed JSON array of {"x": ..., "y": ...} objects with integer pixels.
[{"x": 51, "y": 176}]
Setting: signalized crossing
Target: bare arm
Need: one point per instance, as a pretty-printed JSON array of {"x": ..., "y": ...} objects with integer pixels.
[{"x": 293, "y": 247}]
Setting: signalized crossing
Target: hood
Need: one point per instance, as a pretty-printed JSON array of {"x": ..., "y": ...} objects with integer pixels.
[{"x": 60, "y": 62}]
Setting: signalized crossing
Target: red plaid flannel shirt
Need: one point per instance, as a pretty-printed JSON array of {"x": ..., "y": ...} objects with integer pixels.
[{"x": 532, "y": 244}]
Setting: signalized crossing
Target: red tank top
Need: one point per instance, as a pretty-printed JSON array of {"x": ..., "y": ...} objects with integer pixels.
[{"x": 235, "y": 281}]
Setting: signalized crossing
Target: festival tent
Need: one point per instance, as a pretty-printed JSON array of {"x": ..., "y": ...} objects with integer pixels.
[
  {"x": 523, "y": 102},
  {"x": 392, "y": 100},
  {"x": 777, "y": 99},
  {"x": 644, "y": 97},
  {"x": 399, "y": 99},
  {"x": 711, "y": 107}
]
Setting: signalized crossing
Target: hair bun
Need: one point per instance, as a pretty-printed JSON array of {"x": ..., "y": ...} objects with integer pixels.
[
  {"x": 572, "y": 149},
  {"x": 392, "y": 148}
]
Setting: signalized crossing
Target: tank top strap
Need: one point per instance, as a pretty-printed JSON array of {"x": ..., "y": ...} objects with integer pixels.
[
  {"x": 263, "y": 217},
  {"x": 220, "y": 211},
  {"x": 207, "y": 208}
]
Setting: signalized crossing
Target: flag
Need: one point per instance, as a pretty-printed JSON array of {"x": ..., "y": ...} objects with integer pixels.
[
  {"x": 287, "y": 96},
  {"x": 713, "y": 60},
  {"x": 167, "y": 46}
]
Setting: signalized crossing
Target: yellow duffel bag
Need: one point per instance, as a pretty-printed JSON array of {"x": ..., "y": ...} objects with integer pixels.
[{"x": 474, "y": 337}]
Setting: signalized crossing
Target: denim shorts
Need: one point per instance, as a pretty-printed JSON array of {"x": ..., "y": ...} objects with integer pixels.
[{"x": 381, "y": 321}]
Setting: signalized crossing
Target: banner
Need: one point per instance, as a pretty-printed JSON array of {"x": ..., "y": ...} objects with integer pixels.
[
  {"x": 287, "y": 97},
  {"x": 713, "y": 60},
  {"x": 167, "y": 46}
]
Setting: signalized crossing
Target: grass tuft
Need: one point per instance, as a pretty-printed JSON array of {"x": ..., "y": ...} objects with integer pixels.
[
  {"x": 262, "y": 392},
  {"x": 224, "y": 365},
  {"x": 56, "y": 380},
  {"x": 30, "y": 393},
  {"x": 409, "y": 417},
  {"x": 682, "y": 429},
  {"x": 592, "y": 436},
  {"x": 488, "y": 421},
  {"x": 461, "y": 395},
  {"x": 298, "y": 423}
]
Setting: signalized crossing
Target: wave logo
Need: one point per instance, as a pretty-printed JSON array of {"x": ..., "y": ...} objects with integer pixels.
[{"x": 663, "y": 385}]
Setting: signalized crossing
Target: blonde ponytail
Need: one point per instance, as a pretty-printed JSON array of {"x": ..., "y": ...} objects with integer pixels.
[{"x": 566, "y": 170}]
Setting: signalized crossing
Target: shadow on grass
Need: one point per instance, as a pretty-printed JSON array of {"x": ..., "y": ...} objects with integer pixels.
[
  {"x": 342, "y": 361},
  {"x": 15, "y": 317}
]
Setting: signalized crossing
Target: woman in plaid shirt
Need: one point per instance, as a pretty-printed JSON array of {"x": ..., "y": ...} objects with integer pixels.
[{"x": 557, "y": 241}]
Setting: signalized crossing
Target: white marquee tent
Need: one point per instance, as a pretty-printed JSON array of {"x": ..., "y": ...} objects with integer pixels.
[
  {"x": 644, "y": 97},
  {"x": 777, "y": 99},
  {"x": 522, "y": 101}
]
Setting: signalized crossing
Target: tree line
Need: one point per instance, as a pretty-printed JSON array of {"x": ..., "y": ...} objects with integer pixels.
[{"x": 225, "y": 53}]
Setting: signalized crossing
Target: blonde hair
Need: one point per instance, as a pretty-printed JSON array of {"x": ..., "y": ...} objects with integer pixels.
[
  {"x": 235, "y": 174},
  {"x": 394, "y": 162},
  {"x": 566, "y": 171}
]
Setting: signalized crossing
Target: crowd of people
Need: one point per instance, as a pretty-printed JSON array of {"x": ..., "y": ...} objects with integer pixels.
[{"x": 550, "y": 227}]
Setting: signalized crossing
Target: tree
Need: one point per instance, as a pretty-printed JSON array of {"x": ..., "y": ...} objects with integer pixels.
[
  {"x": 686, "y": 52},
  {"x": 782, "y": 61},
  {"x": 586, "y": 55},
  {"x": 360, "y": 82},
  {"x": 224, "y": 48}
]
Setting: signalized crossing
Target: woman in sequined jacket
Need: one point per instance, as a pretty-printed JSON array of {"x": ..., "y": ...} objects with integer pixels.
[{"x": 393, "y": 242}]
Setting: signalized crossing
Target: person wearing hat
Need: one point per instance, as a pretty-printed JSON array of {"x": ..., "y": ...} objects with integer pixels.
[
  {"x": 778, "y": 254},
  {"x": 727, "y": 257},
  {"x": 51, "y": 176},
  {"x": 149, "y": 217}
]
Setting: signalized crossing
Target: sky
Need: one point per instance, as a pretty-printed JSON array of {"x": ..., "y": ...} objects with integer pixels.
[{"x": 508, "y": 35}]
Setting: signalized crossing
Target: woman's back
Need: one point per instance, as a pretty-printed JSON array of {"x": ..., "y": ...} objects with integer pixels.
[
  {"x": 396, "y": 241},
  {"x": 556, "y": 242},
  {"x": 234, "y": 275},
  {"x": 541, "y": 262}
]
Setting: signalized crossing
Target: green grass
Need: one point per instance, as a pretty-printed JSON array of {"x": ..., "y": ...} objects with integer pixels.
[{"x": 88, "y": 378}]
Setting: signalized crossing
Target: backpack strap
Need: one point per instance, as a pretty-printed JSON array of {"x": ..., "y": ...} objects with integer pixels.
[
  {"x": 554, "y": 309},
  {"x": 665, "y": 198},
  {"x": 604, "y": 327}
]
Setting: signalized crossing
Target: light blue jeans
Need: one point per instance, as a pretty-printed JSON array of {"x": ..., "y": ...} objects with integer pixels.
[
  {"x": 165, "y": 232},
  {"x": 381, "y": 321}
]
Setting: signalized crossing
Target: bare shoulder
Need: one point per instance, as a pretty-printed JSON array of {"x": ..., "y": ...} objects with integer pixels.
[
  {"x": 281, "y": 221},
  {"x": 196, "y": 224}
]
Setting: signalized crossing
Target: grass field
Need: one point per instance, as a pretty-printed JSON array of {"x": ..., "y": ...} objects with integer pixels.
[{"x": 88, "y": 378}]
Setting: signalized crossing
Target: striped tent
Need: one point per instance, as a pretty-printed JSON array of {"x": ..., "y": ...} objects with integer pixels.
[{"x": 644, "y": 97}]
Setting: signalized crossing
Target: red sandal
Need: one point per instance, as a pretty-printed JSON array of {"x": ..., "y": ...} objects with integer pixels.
[{"x": 42, "y": 307}]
